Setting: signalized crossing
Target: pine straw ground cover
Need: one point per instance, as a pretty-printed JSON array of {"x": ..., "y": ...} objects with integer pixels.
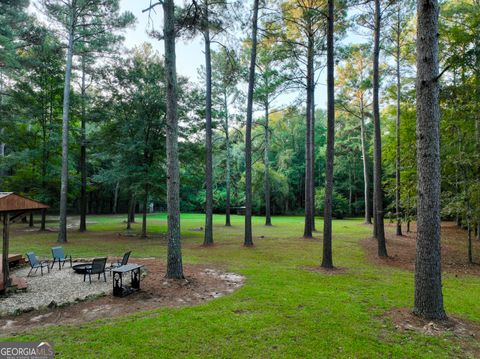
[{"x": 282, "y": 310}]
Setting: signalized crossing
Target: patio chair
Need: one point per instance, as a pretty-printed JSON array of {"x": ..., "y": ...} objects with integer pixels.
[
  {"x": 35, "y": 263},
  {"x": 60, "y": 257},
  {"x": 123, "y": 262},
  {"x": 97, "y": 267}
]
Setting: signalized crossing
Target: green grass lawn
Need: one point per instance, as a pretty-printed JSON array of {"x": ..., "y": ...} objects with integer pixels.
[{"x": 281, "y": 311}]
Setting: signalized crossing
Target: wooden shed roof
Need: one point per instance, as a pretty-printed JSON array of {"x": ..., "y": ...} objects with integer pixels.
[{"x": 12, "y": 202}]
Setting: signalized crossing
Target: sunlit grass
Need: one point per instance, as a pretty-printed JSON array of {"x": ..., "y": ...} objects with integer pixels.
[{"x": 282, "y": 311}]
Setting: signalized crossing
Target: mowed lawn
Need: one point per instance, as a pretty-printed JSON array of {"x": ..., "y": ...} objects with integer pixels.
[{"x": 282, "y": 311}]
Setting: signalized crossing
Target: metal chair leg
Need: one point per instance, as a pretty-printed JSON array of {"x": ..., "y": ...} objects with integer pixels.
[{"x": 28, "y": 275}]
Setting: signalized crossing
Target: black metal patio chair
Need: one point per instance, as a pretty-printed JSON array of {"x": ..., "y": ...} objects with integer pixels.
[
  {"x": 35, "y": 263},
  {"x": 97, "y": 267},
  {"x": 123, "y": 262}
]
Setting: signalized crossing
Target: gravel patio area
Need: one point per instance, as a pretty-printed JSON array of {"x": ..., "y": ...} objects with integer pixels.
[{"x": 52, "y": 289}]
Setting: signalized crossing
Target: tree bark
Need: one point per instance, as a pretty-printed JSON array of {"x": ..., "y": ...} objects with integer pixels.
[
  {"x": 366, "y": 177},
  {"x": 83, "y": 156},
  {"x": 377, "y": 143},
  {"x": 5, "y": 267},
  {"x": 397, "y": 128},
  {"x": 309, "y": 211},
  {"x": 327, "y": 261},
  {"x": 228, "y": 174},
  {"x": 174, "y": 252},
  {"x": 469, "y": 231},
  {"x": 312, "y": 149},
  {"x": 62, "y": 231},
  {"x": 428, "y": 274},
  {"x": 42, "y": 225},
  {"x": 115, "y": 198},
  {"x": 144, "y": 213},
  {"x": 268, "y": 219},
  {"x": 2, "y": 130},
  {"x": 131, "y": 211},
  {"x": 248, "y": 241},
  {"x": 208, "y": 238}
]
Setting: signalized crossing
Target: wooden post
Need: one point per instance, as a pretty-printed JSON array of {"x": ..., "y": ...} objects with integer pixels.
[
  {"x": 31, "y": 220},
  {"x": 5, "y": 251}
]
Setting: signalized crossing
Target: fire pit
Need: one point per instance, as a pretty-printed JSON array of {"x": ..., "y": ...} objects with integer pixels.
[{"x": 81, "y": 268}]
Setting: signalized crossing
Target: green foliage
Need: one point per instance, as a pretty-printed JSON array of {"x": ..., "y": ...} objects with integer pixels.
[
  {"x": 135, "y": 140},
  {"x": 339, "y": 205},
  {"x": 278, "y": 188}
]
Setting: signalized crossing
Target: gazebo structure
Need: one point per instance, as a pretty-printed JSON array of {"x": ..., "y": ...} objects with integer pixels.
[{"x": 12, "y": 208}]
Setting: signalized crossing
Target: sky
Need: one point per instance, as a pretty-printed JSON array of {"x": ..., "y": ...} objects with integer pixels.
[{"x": 190, "y": 55}]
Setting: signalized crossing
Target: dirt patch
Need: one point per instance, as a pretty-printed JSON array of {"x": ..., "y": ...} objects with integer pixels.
[
  {"x": 201, "y": 284},
  {"x": 463, "y": 331},
  {"x": 327, "y": 271},
  {"x": 401, "y": 250}
]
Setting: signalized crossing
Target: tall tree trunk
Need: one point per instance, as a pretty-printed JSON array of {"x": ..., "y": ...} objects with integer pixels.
[
  {"x": 227, "y": 174},
  {"x": 144, "y": 213},
  {"x": 42, "y": 225},
  {"x": 469, "y": 231},
  {"x": 115, "y": 198},
  {"x": 312, "y": 150},
  {"x": 309, "y": 212},
  {"x": 327, "y": 261},
  {"x": 377, "y": 143},
  {"x": 62, "y": 231},
  {"x": 477, "y": 117},
  {"x": 366, "y": 177},
  {"x": 83, "y": 156},
  {"x": 350, "y": 188},
  {"x": 5, "y": 267},
  {"x": 268, "y": 219},
  {"x": 397, "y": 128},
  {"x": 131, "y": 212},
  {"x": 428, "y": 273},
  {"x": 2, "y": 130},
  {"x": 174, "y": 255},
  {"x": 131, "y": 208},
  {"x": 248, "y": 241},
  {"x": 208, "y": 238}
]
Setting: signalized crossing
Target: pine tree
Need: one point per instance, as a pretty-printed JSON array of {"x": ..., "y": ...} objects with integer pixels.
[
  {"x": 428, "y": 273},
  {"x": 82, "y": 22}
]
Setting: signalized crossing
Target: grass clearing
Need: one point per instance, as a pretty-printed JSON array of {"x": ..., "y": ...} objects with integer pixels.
[{"x": 282, "y": 310}]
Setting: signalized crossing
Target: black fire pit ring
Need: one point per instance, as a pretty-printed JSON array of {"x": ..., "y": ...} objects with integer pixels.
[{"x": 81, "y": 268}]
